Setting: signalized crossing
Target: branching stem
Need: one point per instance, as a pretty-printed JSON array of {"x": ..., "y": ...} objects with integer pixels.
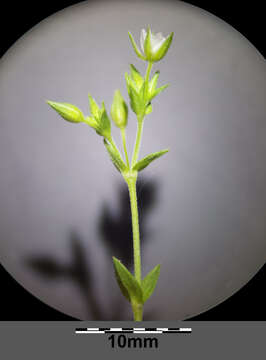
[{"x": 131, "y": 180}]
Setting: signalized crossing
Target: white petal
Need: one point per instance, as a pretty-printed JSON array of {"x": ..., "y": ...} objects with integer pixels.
[
  {"x": 143, "y": 35},
  {"x": 156, "y": 41}
]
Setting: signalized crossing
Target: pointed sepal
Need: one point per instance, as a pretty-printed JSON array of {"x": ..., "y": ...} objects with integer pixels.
[
  {"x": 135, "y": 95},
  {"x": 104, "y": 123},
  {"x": 135, "y": 47},
  {"x": 136, "y": 76},
  {"x": 94, "y": 108},
  {"x": 148, "y": 109},
  {"x": 161, "y": 52}
]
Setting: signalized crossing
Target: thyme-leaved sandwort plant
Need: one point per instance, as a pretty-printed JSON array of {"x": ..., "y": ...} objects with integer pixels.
[{"x": 141, "y": 90}]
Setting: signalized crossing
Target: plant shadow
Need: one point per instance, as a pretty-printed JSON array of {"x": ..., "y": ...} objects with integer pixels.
[{"x": 115, "y": 233}]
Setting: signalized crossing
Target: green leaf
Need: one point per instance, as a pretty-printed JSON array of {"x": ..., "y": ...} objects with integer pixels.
[
  {"x": 164, "y": 47},
  {"x": 94, "y": 108},
  {"x": 104, "y": 123},
  {"x": 142, "y": 92},
  {"x": 127, "y": 77},
  {"x": 136, "y": 101},
  {"x": 136, "y": 76},
  {"x": 131, "y": 83},
  {"x": 140, "y": 165},
  {"x": 129, "y": 286},
  {"x": 115, "y": 156},
  {"x": 153, "y": 83},
  {"x": 148, "y": 109},
  {"x": 148, "y": 284},
  {"x": 137, "y": 51},
  {"x": 160, "y": 89}
]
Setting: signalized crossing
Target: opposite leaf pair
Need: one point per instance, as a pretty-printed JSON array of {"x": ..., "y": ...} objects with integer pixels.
[
  {"x": 140, "y": 92},
  {"x": 131, "y": 288}
]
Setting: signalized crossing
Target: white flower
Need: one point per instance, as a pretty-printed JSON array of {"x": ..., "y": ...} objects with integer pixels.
[
  {"x": 154, "y": 46},
  {"x": 156, "y": 40}
]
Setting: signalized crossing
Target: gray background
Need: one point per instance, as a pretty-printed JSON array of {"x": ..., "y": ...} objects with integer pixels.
[
  {"x": 60, "y": 196},
  {"x": 206, "y": 341}
]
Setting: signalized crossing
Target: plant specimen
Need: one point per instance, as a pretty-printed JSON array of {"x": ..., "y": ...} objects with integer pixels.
[{"x": 141, "y": 91}]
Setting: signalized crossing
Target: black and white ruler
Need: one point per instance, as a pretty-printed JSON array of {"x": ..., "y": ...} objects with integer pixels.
[{"x": 109, "y": 330}]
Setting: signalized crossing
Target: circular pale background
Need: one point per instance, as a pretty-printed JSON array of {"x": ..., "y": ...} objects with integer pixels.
[{"x": 64, "y": 207}]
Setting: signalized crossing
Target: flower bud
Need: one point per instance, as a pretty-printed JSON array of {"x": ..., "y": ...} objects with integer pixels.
[
  {"x": 119, "y": 110},
  {"x": 68, "y": 112}
]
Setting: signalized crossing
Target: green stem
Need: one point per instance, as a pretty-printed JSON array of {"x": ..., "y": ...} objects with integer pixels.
[
  {"x": 138, "y": 141},
  {"x": 123, "y": 135},
  {"x": 140, "y": 118},
  {"x": 135, "y": 227},
  {"x": 137, "y": 311},
  {"x": 147, "y": 76},
  {"x": 112, "y": 142},
  {"x": 131, "y": 181}
]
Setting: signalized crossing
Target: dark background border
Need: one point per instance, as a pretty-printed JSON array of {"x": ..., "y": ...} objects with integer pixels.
[{"x": 16, "y": 303}]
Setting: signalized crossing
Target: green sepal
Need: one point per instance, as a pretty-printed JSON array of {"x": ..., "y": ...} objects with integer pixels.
[
  {"x": 136, "y": 76},
  {"x": 135, "y": 95},
  {"x": 67, "y": 111},
  {"x": 148, "y": 284},
  {"x": 141, "y": 164},
  {"x": 115, "y": 156},
  {"x": 99, "y": 119},
  {"x": 161, "y": 52},
  {"x": 135, "y": 47},
  {"x": 130, "y": 83},
  {"x": 91, "y": 122},
  {"x": 148, "y": 109},
  {"x": 104, "y": 123},
  {"x": 147, "y": 46},
  {"x": 129, "y": 286},
  {"x": 94, "y": 108}
]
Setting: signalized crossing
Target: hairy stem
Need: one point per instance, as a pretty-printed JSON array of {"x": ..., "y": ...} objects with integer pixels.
[
  {"x": 131, "y": 181},
  {"x": 123, "y": 135},
  {"x": 112, "y": 142},
  {"x": 147, "y": 76},
  {"x": 136, "y": 307},
  {"x": 141, "y": 117},
  {"x": 138, "y": 141},
  {"x": 137, "y": 311},
  {"x": 135, "y": 227}
]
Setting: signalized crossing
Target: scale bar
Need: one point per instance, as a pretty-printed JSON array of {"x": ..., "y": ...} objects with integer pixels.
[{"x": 133, "y": 330}]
